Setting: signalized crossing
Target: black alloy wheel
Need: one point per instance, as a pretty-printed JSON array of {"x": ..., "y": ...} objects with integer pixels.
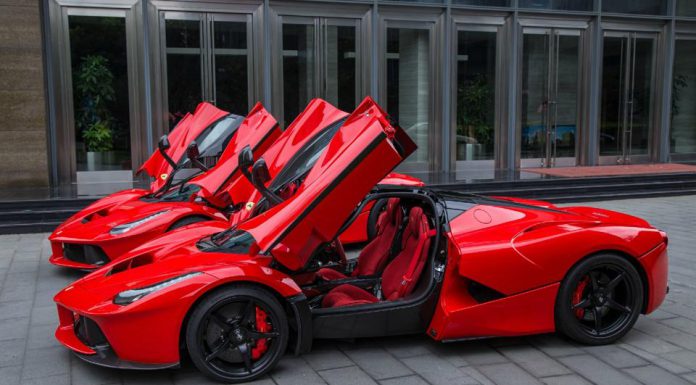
[
  {"x": 237, "y": 334},
  {"x": 599, "y": 300}
]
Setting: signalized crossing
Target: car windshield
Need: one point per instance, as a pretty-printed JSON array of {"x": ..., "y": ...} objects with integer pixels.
[
  {"x": 213, "y": 140},
  {"x": 211, "y": 143},
  {"x": 306, "y": 157}
]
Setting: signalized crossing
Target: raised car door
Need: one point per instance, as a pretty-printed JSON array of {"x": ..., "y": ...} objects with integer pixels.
[
  {"x": 364, "y": 149},
  {"x": 188, "y": 129},
  {"x": 259, "y": 131}
]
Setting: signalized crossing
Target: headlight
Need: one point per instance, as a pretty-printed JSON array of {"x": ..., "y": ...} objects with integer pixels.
[
  {"x": 126, "y": 227},
  {"x": 130, "y": 296}
]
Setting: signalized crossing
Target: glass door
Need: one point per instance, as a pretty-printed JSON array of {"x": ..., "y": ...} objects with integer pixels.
[
  {"x": 407, "y": 90},
  {"x": 550, "y": 92},
  {"x": 207, "y": 59},
  {"x": 320, "y": 58},
  {"x": 627, "y": 94},
  {"x": 476, "y": 109},
  {"x": 96, "y": 98}
]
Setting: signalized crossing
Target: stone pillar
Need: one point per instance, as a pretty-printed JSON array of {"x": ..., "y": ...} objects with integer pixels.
[{"x": 23, "y": 149}]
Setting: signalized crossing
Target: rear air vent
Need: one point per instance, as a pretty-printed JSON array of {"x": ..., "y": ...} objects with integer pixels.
[{"x": 482, "y": 293}]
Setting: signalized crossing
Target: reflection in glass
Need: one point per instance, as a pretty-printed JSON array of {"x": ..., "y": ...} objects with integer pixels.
[
  {"x": 231, "y": 72},
  {"x": 475, "y": 95},
  {"x": 683, "y": 133},
  {"x": 184, "y": 84},
  {"x": 549, "y": 96},
  {"x": 644, "y": 7},
  {"x": 686, "y": 8},
  {"x": 486, "y": 3},
  {"x": 298, "y": 69},
  {"x": 100, "y": 92},
  {"x": 565, "y": 5},
  {"x": 626, "y": 96},
  {"x": 408, "y": 84},
  {"x": 340, "y": 54}
]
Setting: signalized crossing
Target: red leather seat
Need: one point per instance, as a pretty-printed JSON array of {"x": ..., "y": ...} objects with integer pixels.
[
  {"x": 400, "y": 276},
  {"x": 373, "y": 258}
]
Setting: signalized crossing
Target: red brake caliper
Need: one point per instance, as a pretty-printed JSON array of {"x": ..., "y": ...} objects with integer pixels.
[
  {"x": 577, "y": 296},
  {"x": 261, "y": 326}
]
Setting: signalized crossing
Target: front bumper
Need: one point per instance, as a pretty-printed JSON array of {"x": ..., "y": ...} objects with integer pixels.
[
  {"x": 77, "y": 256},
  {"x": 656, "y": 266}
]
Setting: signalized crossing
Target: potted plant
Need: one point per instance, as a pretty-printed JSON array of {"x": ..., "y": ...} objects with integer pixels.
[
  {"x": 94, "y": 90},
  {"x": 474, "y": 130}
]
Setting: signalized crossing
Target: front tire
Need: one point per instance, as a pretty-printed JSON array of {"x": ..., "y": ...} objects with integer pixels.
[
  {"x": 599, "y": 300},
  {"x": 237, "y": 334}
]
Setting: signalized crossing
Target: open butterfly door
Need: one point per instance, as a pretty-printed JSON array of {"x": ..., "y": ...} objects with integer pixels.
[{"x": 364, "y": 150}]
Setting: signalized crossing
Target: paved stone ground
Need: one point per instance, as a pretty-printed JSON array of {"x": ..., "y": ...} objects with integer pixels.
[{"x": 660, "y": 350}]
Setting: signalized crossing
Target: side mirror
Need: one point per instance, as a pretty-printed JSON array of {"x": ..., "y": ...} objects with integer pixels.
[
  {"x": 259, "y": 177},
  {"x": 245, "y": 161},
  {"x": 163, "y": 145},
  {"x": 193, "y": 153}
]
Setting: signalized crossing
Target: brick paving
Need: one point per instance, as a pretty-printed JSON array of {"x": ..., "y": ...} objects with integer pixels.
[{"x": 660, "y": 350}]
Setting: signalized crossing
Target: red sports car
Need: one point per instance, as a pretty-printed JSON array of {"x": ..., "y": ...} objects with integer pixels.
[
  {"x": 118, "y": 223},
  {"x": 452, "y": 265},
  {"x": 184, "y": 176}
]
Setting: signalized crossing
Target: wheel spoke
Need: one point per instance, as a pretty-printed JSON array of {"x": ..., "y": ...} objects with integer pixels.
[
  {"x": 617, "y": 306},
  {"x": 597, "y": 320},
  {"x": 217, "y": 350},
  {"x": 593, "y": 281},
  {"x": 614, "y": 282},
  {"x": 221, "y": 321},
  {"x": 260, "y": 335},
  {"x": 246, "y": 355},
  {"x": 583, "y": 304},
  {"x": 249, "y": 314}
]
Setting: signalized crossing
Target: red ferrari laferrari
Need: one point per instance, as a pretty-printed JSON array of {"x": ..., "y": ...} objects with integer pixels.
[
  {"x": 454, "y": 266},
  {"x": 120, "y": 222}
]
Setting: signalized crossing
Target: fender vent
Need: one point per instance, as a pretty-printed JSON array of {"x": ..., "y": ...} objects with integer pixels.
[{"x": 482, "y": 293}]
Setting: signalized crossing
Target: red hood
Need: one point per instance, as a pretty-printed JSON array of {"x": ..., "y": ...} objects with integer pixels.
[{"x": 180, "y": 137}]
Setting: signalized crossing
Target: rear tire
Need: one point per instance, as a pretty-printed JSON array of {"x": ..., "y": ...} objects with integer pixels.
[
  {"x": 599, "y": 300},
  {"x": 225, "y": 332}
]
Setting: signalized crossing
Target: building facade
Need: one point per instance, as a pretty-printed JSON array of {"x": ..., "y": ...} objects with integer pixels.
[{"x": 487, "y": 88}]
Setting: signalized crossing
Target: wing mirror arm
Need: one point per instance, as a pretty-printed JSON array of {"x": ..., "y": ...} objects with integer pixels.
[
  {"x": 245, "y": 160},
  {"x": 163, "y": 145},
  {"x": 193, "y": 154},
  {"x": 259, "y": 177}
]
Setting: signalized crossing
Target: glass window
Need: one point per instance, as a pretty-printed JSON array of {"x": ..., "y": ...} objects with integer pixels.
[
  {"x": 298, "y": 69},
  {"x": 100, "y": 92},
  {"x": 645, "y": 7},
  {"x": 341, "y": 70},
  {"x": 686, "y": 8},
  {"x": 184, "y": 86},
  {"x": 565, "y": 5},
  {"x": 483, "y": 3},
  {"x": 231, "y": 66},
  {"x": 683, "y": 133},
  {"x": 408, "y": 85},
  {"x": 475, "y": 135}
]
